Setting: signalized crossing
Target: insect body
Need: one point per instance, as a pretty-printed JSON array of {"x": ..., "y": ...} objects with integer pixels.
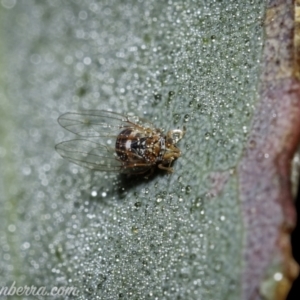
[{"x": 113, "y": 142}]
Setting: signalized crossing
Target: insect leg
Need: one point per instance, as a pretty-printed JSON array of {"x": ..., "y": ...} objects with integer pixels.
[{"x": 168, "y": 169}]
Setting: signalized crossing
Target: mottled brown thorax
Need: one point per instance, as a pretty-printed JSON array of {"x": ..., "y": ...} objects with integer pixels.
[{"x": 132, "y": 146}]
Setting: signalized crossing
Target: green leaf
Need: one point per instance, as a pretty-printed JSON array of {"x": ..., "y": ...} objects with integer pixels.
[{"x": 214, "y": 229}]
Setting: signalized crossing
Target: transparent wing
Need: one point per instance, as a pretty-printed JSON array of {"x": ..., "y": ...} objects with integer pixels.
[
  {"x": 98, "y": 157},
  {"x": 101, "y": 123}
]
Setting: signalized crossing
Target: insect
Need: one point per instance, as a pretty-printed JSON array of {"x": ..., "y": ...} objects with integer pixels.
[{"x": 114, "y": 142}]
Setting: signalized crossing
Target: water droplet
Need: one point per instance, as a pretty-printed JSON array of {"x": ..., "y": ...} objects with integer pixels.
[
  {"x": 134, "y": 229},
  {"x": 102, "y": 278},
  {"x": 157, "y": 98},
  {"x": 87, "y": 61},
  {"x": 8, "y": 3},
  {"x": 159, "y": 198},
  {"x": 89, "y": 290},
  {"x": 104, "y": 194},
  {"x": 170, "y": 97},
  {"x": 35, "y": 59},
  {"x": 193, "y": 256},
  {"x": 188, "y": 189},
  {"x": 217, "y": 267},
  {"x": 198, "y": 202},
  {"x": 94, "y": 193},
  {"x": 11, "y": 228},
  {"x": 26, "y": 170},
  {"x": 278, "y": 276},
  {"x": 82, "y": 15},
  {"x": 176, "y": 118},
  {"x": 207, "y": 135},
  {"x": 222, "y": 218},
  {"x": 186, "y": 118},
  {"x": 137, "y": 204}
]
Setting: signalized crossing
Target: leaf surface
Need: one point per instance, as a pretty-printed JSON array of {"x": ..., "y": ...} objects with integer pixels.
[{"x": 218, "y": 228}]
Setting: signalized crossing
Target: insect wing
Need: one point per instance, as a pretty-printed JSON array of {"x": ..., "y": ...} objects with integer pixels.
[
  {"x": 95, "y": 156},
  {"x": 90, "y": 155},
  {"x": 101, "y": 129},
  {"x": 100, "y": 123}
]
